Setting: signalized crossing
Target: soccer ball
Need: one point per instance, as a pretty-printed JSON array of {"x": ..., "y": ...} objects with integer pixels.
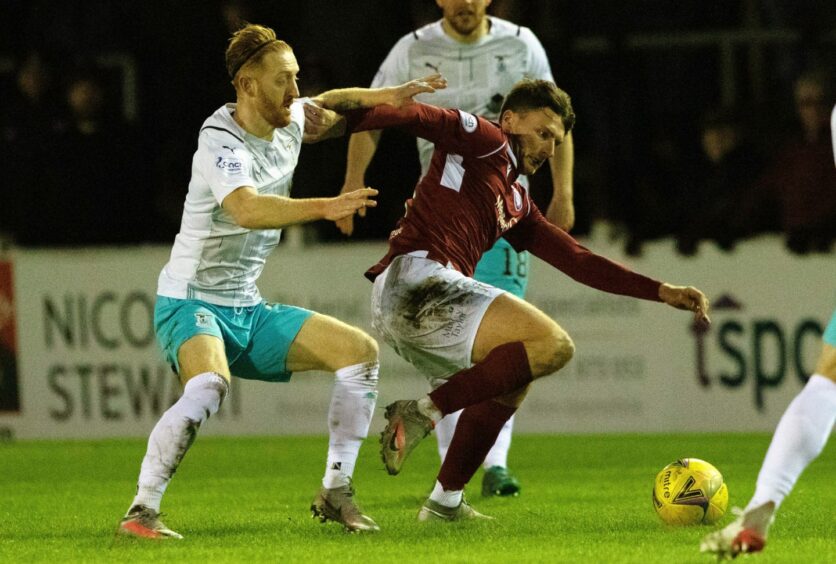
[{"x": 690, "y": 491}]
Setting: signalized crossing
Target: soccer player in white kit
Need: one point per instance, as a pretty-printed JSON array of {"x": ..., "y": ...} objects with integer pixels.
[
  {"x": 799, "y": 438},
  {"x": 210, "y": 318},
  {"x": 482, "y": 57}
]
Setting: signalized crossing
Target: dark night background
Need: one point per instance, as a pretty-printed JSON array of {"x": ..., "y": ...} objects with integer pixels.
[{"x": 647, "y": 78}]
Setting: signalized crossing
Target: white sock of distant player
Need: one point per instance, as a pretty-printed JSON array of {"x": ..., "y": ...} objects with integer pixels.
[
  {"x": 799, "y": 438},
  {"x": 447, "y": 498},
  {"x": 352, "y": 405},
  {"x": 498, "y": 455},
  {"x": 174, "y": 433},
  {"x": 444, "y": 430}
]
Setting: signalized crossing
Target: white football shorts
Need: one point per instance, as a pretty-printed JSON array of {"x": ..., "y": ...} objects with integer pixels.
[{"x": 430, "y": 314}]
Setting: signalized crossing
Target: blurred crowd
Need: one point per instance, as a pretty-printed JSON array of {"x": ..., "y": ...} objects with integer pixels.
[{"x": 660, "y": 151}]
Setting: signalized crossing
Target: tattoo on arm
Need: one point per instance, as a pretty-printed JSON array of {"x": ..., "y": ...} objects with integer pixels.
[{"x": 346, "y": 105}]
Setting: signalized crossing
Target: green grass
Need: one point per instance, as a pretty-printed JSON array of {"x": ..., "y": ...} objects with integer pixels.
[{"x": 585, "y": 499}]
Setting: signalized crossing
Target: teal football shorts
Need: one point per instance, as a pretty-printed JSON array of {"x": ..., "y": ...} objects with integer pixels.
[{"x": 256, "y": 338}]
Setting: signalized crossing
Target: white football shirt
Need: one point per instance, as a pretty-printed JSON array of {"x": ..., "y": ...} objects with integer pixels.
[
  {"x": 213, "y": 258},
  {"x": 478, "y": 74}
]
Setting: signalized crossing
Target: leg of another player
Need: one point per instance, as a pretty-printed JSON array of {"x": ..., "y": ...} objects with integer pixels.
[
  {"x": 498, "y": 480},
  {"x": 325, "y": 343},
  {"x": 515, "y": 344},
  {"x": 801, "y": 434},
  {"x": 204, "y": 372},
  {"x": 799, "y": 438},
  {"x": 539, "y": 347}
]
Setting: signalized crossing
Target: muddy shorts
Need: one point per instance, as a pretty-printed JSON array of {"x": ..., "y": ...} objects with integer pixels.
[{"x": 429, "y": 314}]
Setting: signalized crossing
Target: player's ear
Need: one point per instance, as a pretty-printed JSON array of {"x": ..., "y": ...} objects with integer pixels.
[
  {"x": 247, "y": 84},
  {"x": 508, "y": 120}
]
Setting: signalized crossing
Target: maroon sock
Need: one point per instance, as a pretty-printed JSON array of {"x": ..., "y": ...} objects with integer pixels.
[
  {"x": 476, "y": 432},
  {"x": 504, "y": 370}
]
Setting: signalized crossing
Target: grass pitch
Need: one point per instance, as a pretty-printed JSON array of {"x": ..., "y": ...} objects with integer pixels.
[{"x": 584, "y": 499}]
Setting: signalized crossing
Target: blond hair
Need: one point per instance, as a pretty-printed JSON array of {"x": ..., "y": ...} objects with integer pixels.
[{"x": 249, "y": 45}]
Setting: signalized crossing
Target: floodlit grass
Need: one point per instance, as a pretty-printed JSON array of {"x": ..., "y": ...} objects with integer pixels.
[{"x": 585, "y": 499}]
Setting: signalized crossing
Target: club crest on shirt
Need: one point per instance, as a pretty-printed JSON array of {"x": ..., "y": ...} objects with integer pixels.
[
  {"x": 203, "y": 319},
  {"x": 517, "y": 198}
]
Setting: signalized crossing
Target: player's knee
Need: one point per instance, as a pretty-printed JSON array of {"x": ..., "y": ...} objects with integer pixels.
[
  {"x": 555, "y": 351},
  {"x": 361, "y": 348}
]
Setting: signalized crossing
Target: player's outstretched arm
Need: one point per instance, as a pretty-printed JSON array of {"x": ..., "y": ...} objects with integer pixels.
[
  {"x": 321, "y": 124},
  {"x": 559, "y": 249},
  {"x": 346, "y": 99},
  {"x": 686, "y": 297},
  {"x": 252, "y": 210},
  {"x": 322, "y": 120}
]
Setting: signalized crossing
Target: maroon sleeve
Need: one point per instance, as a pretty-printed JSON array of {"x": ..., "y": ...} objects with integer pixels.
[
  {"x": 452, "y": 131},
  {"x": 535, "y": 234}
]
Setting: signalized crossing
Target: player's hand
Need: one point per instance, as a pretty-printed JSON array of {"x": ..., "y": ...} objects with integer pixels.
[
  {"x": 321, "y": 123},
  {"x": 403, "y": 95},
  {"x": 346, "y": 224},
  {"x": 345, "y": 205},
  {"x": 687, "y": 297}
]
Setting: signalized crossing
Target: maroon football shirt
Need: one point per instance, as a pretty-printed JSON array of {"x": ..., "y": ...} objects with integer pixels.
[{"x": 470, "y": 197}]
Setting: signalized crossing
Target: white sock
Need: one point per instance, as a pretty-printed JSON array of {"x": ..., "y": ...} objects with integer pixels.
[
  {"x": 447, "y": 498},
  {"x": 428, "y": 408},
  {"x": 800, "y": 436},
  {"x": 352, "y": 405},
  {"x": 444, "y": 430},
  {"x": 498, "y": 455},
  {"x": 174, "y": 433}
]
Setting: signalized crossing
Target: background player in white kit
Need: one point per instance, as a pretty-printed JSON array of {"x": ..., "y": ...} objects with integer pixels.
[
  {"x": 799, "y": 438},
  {"x": 482, "y": 57},
  {"x": 210, "y": 319}
]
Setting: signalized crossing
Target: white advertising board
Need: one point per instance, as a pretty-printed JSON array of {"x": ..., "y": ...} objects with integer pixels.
[{"x": 88, "y": 365}]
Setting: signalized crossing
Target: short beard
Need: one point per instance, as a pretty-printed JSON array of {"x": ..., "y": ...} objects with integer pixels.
[
  {"x": 271, "y": 113},
  {"x": 463, "y": 31}
]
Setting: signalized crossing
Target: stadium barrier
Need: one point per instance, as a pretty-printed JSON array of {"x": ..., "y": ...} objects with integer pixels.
[{"x": 79, "y": 325}]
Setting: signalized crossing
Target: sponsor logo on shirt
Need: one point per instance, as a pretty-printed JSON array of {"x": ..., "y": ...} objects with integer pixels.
[
  {"x": 501, "y": 219},
  {"x": 229, "y": 164},
  {"x": 468, "y": 121}
]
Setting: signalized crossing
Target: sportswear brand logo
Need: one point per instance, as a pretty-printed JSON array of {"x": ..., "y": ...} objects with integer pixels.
[{"x": 432, "y": 66}]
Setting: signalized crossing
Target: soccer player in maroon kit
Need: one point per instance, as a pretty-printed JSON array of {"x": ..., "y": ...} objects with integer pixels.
[{"x": 487, "y": 344}]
